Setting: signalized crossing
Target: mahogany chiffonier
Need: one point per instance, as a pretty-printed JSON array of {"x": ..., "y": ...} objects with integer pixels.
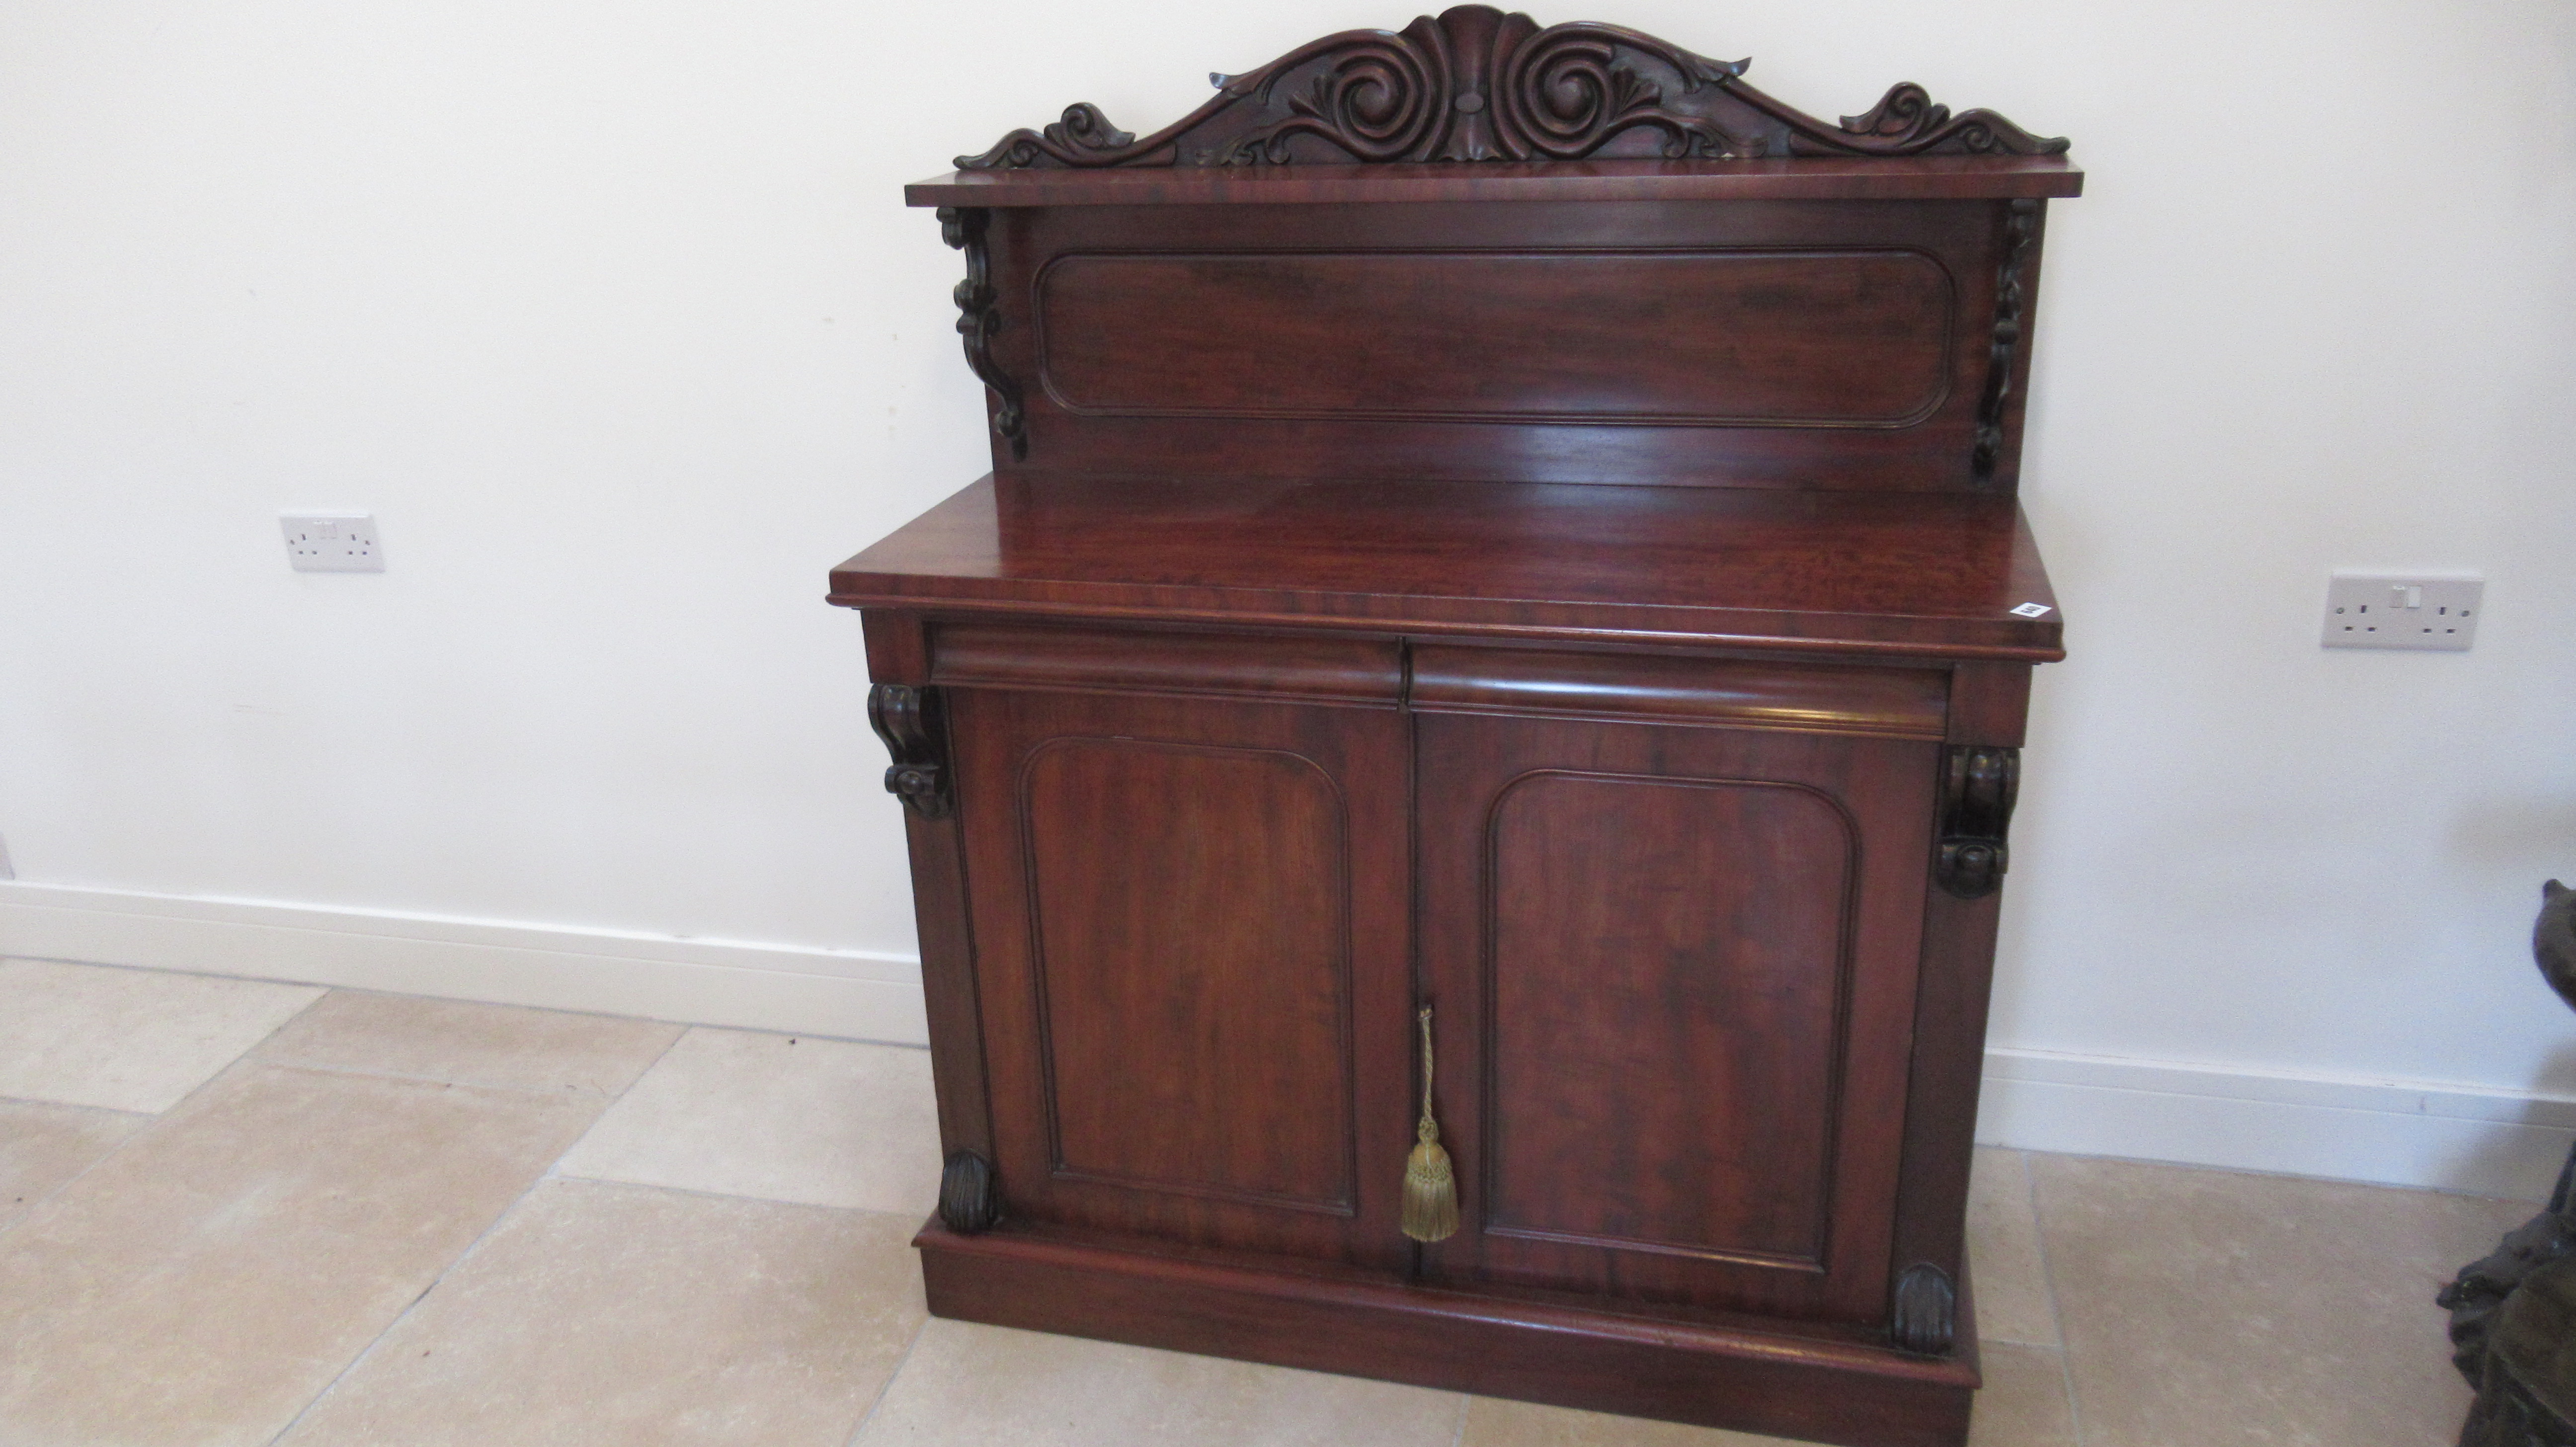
[{"x": 1500, "y": 565}]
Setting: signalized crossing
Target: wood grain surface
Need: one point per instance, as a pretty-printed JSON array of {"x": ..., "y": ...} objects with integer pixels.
[{"x": 1913, "y": 574}]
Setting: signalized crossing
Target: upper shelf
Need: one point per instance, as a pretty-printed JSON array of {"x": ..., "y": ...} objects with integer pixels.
[{"x": 1843, "y": 178}]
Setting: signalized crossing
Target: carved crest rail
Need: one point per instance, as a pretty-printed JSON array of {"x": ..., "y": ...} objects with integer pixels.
[{"x": 1475, "y": 84}]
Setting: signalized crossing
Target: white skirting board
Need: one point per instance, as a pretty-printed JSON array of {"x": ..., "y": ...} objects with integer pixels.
[
  {"x": 2412, "y": 1133},
  {"x": 2446, "y": 1137},
  {"x": 851, "y": 994}
]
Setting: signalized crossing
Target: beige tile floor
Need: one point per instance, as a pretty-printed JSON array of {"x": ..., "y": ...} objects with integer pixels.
[{"x": 245, "y": 1213}]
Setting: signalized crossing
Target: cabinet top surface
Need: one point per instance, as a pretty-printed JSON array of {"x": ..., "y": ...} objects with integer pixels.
[{"x": 1873, "y": 573}]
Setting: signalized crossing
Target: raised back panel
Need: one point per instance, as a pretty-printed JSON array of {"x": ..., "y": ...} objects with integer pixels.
[
  {"x": 1193, "y": 969},
  {"x": 1411, "y": 290},
  {"x": 1673, "y": 950},
  {"x": 1827, "y": 344},
  {"x": 1816, "y": 338}
]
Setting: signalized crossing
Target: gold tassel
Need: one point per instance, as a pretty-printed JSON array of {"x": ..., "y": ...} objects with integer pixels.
[{"x": 1430, "y": 1190}]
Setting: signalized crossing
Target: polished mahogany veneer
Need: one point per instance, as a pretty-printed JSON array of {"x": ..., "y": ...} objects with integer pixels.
[
  {"x": 1828, "y": 572},
  {"x": 1519, "y": 341},
  {"x": 1515, "y": 523},
  {"x": 1501, "y": 336}
]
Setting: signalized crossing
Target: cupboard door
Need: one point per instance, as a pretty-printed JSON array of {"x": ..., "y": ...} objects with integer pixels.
[
  {"x": 1191, "y": 941},
  {"x": 1674, "y": 970}
]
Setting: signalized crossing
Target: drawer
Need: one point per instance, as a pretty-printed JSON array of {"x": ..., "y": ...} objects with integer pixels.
[
  {"x": 1213, "y": 665},
  {"x": 1904, "y": 703}
]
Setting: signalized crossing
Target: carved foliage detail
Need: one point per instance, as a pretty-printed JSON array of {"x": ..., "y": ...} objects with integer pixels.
[
  {"x": 1925, "y": 1314},
  {"x": 2020, "y": 221},
  {"x": 970, "y": 1200},
  {"x": 1083, "y": 137},
  {"x": 908, "y": 719},
  {"x": 1475, "y": 84},
  {"x": 1907, "y": 120},
  {"x": 1976, "y": 808},
  {"x": 979, "y": 317}
]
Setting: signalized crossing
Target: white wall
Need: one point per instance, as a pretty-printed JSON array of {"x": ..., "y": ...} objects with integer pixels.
[{"x": 613, "y": 317}]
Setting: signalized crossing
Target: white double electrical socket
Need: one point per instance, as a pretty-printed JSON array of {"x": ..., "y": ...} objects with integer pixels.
[
  {"x": 2402, "y": 610},
  {"x": 332, "y": 542}
]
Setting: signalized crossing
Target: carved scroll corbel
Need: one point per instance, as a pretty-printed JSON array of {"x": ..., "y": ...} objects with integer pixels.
[
  {"x": 979, "y": 319},
  {"x": 1977, "y": 788},
  {"x": 908, "y": 719},
  {"x": 2022, "y": 220}
]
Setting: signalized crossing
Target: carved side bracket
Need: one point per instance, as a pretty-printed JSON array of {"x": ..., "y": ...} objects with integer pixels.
[
  {"x": 1977, "y": 789},
  {"x": 2021, "y": 220},
  {"x": 970, "y": 1199},
  {"x": 1475, "y": 84},
  {"x": 979, "y": 319},
  {"x": 1925, "y": 1315},
  {"x": 908, "y": 719}
]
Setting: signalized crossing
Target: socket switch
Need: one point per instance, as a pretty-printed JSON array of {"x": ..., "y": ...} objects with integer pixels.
[
  {"x": 332, "y": 542},
  {"x": 2402, "y": 610}
]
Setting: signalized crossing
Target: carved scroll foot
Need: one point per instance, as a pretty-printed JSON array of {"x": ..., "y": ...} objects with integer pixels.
[
  {"x": 969, "y": 1199},
  {"x": 1926, "y": 1312}
]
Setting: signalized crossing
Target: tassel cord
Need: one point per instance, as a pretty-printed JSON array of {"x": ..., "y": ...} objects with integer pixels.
[
  {"x": 1429, "y": 1129},
  {"x": 1430, "y": 1202}
]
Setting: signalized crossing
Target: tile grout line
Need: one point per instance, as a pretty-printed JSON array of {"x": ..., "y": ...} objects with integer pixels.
[
  {"x": 2056, "y": 1318},
  {"x": 249, "y": 1058},
  {"x": 704, "y": 1194},
  {"x": 364, "y": 1073},
  {"x": 1458, "y": 1438},
  {"x": 143, "y": 1122},
  {"x": 540, "y": 1178},
  {"x": 409, "y": 1307},
  {"x": 67, "y": 1182},
  {"x": 468, "y": 1000},
  {"x": 80, "y": 1105},
  {"x": 152, "y": 1119},
  {"x": 2168, "y": 1163},
  {"x": 556, "y": 1165},
  {"x": 556, "y": 1172},
  {"x": 887, "y": 1390},
  {"x": 155, "y": 1121}
]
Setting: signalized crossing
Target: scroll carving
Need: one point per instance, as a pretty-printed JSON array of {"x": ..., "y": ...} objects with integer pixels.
[
  {"x": 1475, "y": 84},
  {"x": 1925, "y": 1315},
  {"x": 970, "y": 1201},
  {"x": 1977, "y": 791},
  {"x": 2021, "y": 220},
  {"x": 908, "y": 720},
  {"x": 979, "y": 316},
  {"x": 1907, "y": 120}
]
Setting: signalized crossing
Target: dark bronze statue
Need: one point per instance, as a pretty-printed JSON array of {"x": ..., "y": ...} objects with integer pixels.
[
  {"x": 2553, "y": 940},
  {"x": 2513, "y": 1312}
]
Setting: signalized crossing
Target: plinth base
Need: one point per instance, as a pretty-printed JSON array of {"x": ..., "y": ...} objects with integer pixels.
[{"x": 1749, "y": 1380}]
